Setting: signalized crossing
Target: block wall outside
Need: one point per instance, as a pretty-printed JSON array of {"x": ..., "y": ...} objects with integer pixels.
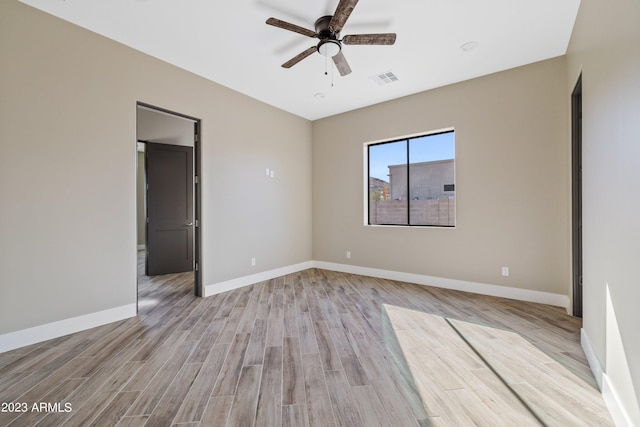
[{"x": 423, "y": 212}]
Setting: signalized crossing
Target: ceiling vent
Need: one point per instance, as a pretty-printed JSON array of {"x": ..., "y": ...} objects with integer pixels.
[{"x": 384, "y": 78}]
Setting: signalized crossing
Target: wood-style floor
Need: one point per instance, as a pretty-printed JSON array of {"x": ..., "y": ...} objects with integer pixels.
[{"x": 315, "y": 348}]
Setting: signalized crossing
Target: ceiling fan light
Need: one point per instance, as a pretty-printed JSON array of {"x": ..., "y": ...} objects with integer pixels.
[{"x": 329, "y": 48}]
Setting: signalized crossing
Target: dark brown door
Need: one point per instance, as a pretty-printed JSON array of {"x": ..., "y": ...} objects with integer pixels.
[{"x": 169, "y": 170}]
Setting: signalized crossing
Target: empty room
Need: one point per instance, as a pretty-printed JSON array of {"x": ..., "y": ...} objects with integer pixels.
[{"x": 337, "y": 213}]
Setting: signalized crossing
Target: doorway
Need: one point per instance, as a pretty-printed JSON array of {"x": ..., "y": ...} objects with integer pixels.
[
  {"x": 576, "y": 195},
  {"x": 168, "y": 143}
]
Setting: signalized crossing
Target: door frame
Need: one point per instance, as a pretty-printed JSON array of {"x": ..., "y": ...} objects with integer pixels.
[
  {"x": 576, "y": 197},
  {"x": 198, "y": 288}
]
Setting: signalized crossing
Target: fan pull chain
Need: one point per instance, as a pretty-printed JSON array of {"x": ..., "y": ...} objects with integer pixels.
[
  {"x": 332, "y": 76},
  {"x": 326, "y": 71}
]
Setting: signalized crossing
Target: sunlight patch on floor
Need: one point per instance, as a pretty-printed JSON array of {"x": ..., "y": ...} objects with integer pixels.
[{"x": 470, "y": 374}]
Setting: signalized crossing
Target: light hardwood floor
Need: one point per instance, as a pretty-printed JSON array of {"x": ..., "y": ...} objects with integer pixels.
[{"x": 315, "y": 348}]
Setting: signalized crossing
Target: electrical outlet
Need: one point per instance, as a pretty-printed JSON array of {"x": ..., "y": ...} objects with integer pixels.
[
  {"x": 253, "y": 262},
  {"x": 348, "y": 254},
  {"x": 505, "y": 271},
  {"x": 267, "y": 172},
  {"x": 272, "y": 173}
]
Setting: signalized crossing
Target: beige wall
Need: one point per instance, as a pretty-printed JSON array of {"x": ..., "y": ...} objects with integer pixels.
[
  {"x": 604, "y": 46},
  {"x": 511, "y": 154},
  {"x": 68, "y": 171}
]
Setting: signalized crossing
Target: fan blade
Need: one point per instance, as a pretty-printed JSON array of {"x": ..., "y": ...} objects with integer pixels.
[
  {"x": 341, "y": 64},
  {"x": 340, "y": 16},
  {"x": 299, "y": 57},
  {"x": 371, "y": 39},
  {"x": 291, "y": 27}
]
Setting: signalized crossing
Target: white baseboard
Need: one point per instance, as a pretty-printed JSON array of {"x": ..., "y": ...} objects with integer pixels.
[
  {"x": 557, "y": 300},
  {"x": 48, "y": 331},
  {"x": 461, "y": 285},
  {"x": 240, "y": 282},
  {"x": 618, "y": 413},
  {"x": 616, "y": 409},
  {"x": 594, "y": 363}
]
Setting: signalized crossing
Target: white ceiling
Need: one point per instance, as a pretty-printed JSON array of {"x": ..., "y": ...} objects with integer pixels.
[{"x": 229, "y": 43}]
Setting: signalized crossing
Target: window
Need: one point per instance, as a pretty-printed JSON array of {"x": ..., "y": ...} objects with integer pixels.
[{"x": 412, "y": 181}]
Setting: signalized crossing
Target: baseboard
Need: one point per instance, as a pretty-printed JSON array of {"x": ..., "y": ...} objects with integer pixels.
[
  {"x": 440, "y": 282},
  {"x": 618, "y": 413},
  {"x": 616, "y": 409},
  {"x": 240, "y": 282},
  {"x": 460, "y": 285},
  {"x": 594, "y": 363},
  {"x": 48, "y": 331}
]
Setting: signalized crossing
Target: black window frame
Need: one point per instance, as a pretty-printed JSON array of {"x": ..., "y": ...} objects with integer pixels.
[{"x": 408, "y": 141}]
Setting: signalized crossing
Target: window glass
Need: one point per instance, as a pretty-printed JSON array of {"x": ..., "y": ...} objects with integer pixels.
[
  {"x": 412, "y": 181},
  {"x": 386, "y": 195}
]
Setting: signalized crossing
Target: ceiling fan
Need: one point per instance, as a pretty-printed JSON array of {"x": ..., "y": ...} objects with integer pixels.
[{"x": 327, "y": 29}]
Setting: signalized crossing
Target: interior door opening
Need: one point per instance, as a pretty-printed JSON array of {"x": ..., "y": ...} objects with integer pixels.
[
  {"x": 576, "y": 195},
  {"x": 168, "y": 197}
]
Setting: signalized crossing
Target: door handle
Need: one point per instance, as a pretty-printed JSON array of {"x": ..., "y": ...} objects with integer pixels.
[{"x": 189, "y": 224}]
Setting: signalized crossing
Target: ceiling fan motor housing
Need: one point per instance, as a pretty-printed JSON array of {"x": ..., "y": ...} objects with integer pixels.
[
  {"x": 322, "y": 29},
  {"x": 329, "y": 44}
]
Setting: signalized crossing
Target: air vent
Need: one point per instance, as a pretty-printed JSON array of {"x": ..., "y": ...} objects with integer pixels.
[{"x": 384, "y": 78}]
